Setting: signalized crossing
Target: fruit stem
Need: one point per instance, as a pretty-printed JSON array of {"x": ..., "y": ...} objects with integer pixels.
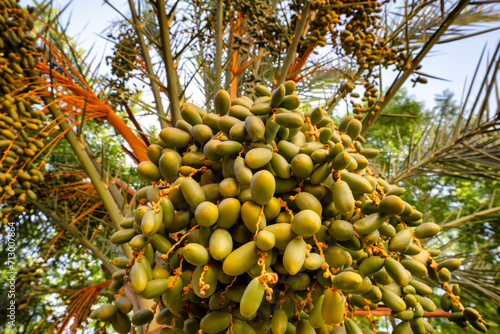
[{"x": 165, "y": 256}]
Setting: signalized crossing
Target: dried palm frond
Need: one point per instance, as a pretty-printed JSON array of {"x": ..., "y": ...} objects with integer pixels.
[
  {"x": 78, "y": 306},
  {"x": 80, "y": 103}
]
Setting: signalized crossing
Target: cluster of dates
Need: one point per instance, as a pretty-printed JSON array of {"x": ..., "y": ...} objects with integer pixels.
[
  {"x": 262, "y": 218},
  {"x": 21, "y": 123}
]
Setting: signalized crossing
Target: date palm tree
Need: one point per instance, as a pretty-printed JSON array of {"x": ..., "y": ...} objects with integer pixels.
[{"x": 71, "y": 139}]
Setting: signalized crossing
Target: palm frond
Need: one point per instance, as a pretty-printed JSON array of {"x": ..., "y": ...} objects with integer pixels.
[{"x": 469, "y": 148}]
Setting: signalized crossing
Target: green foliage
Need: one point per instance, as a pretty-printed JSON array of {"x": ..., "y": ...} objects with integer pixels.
[{"x": 401, "y": 123}]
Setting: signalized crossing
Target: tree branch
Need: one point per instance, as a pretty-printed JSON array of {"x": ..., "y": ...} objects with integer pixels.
[
  {"x": 460, "y": 221},
  {"x": 86, "y": 163},
  {"x": 292, "y": 49},
  {"x": 400, "y": 80},
  {"x": 218, "y": 46},
  {"x": 172, "y": 89},
  {"x": 149, "y": 66},
  {"x": 74, "y": 232}
]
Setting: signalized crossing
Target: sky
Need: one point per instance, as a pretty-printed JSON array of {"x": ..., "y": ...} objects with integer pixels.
[{"x": 455, "y": 61}]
